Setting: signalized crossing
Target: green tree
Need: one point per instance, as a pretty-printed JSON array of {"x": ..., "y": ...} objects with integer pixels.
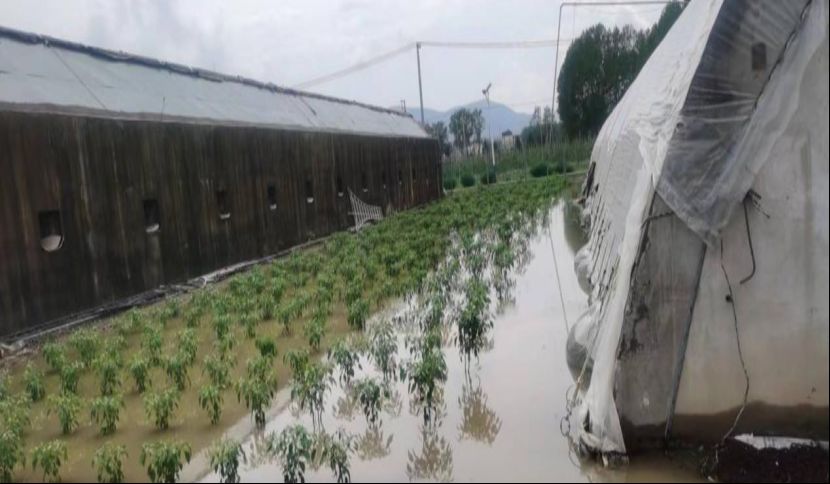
[{"x": 598, "y": 68}]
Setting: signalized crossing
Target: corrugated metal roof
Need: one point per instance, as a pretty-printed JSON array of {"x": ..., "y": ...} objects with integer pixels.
[{"x": 39, "y": 73}]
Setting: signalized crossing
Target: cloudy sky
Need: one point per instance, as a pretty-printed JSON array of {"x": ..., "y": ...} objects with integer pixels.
[{"x": 289, "y": 42}]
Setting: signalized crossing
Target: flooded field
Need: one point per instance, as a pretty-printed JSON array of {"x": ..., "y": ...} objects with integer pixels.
[{"x": 496, "y": 417}]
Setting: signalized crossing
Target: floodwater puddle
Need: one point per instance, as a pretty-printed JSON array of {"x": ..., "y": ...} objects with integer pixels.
[{"x": 497, "y": 416}]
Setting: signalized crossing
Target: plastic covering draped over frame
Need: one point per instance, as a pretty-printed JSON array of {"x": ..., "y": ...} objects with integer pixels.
[{"x": 694, "y": 128}]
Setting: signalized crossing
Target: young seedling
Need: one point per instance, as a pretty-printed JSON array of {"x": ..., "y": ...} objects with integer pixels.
[
  {"x": 140, "y": 370},
  {"x": 159, "y": 407},
  {"x": 67, "y": 406},
  {"x": 105, "y": 412},
  {"x": 225, "y": 457},
  {"x": 383, "y": 346},
  {"x": 14, "y": 414},
  {"x": 210, "y": 399},
  {"x": 164, "y": 460},
  {"x": 49, "y": 456},
  {"x": 108, "y": 462},
  {"x": 315, "y": 330},
  {"x": 256, "y": 391},
  {"x": 35, "y": 387},
  {"x": 309, "y": 387}
]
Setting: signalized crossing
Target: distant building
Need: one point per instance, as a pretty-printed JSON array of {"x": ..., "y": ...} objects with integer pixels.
[{"x": 509, "y": 141}]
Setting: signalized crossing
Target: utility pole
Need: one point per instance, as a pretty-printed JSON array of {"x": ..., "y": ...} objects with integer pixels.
[
  {"x": 420, "y": 87},
  {"x": 486, "y": 92}
]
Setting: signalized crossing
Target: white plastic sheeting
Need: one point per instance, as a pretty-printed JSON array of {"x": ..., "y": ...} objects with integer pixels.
[
  {"x": 695, "y": 127},
  {"x": 40, "y": 73}
]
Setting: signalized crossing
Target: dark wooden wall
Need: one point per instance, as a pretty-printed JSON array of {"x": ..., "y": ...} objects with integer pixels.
[{"x": 98, "y": 172}]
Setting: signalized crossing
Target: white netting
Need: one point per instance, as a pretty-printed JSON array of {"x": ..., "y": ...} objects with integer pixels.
[{"x": 363, "y": 212}]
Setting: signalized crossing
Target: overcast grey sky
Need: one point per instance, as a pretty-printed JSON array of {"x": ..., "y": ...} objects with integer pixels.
[{"x": 291, "y": 41}]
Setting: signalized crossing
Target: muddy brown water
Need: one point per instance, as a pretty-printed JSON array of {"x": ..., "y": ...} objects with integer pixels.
[{"x": 498, "y": 422}]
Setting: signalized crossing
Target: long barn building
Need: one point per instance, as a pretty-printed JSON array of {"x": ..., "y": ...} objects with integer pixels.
[{"x": 120, "y": 174}]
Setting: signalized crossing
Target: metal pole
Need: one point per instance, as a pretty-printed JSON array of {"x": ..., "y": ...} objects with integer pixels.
[
  {"x": 420, "y": 88},
  {"x": 489, "y": 127}
]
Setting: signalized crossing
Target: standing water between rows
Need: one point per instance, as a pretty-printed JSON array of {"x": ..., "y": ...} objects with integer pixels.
[{"x": 498, "y": 419}]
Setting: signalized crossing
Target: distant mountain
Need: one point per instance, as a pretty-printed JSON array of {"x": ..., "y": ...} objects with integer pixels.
[{"x": 498, "y": 116}]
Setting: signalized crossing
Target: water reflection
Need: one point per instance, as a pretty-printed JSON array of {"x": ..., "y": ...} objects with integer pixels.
[
  {"x": 434, "y": 459},
  {"x": 478, "y": 422},
  {"x": 373, "y": 444}
]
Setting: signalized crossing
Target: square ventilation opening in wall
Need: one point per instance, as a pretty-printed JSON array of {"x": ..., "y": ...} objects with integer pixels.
[
  {"x": 271, "y": 194},
  {"x": 223, "y": 204},
  {"x": 339, "y": 183},
  {"x": 383, "y": 178},
  {"x": 152, "y": 219},
  {"x": 51, "y": 231},
  {"x": 363, "y": 185},
  {"x": 309, "y": 191}
]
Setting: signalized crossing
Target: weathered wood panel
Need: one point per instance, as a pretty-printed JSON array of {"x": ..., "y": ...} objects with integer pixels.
[{"x": 99, "y": 173}]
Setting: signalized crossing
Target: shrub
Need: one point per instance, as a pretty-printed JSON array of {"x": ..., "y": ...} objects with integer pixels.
[
  {"x": 11, "y": 453},
  {"x": 160, "y": 407},
  {"x": 164, "y": 460},
  {"x": 67, "y": 406},
  {"x": 450, "y": 183},
  {"x": 176, "y": 369},
  {"x": 210, "y": 399},
  {"x": 108, "y": 374},
  {"x": 105, "y": 412},
  {"x": 108, "y": 462},
  {"x": 294, "y": 447},
  {"x": 49, "y": 456},
  {"x": 140, "y": 370},
  {"x": 540, "y": 170},
  {"x": 225, "y": 456},
  {"x": 489, "y": 176},
  {"x": 467, "y": 180},
  {"x": 35, "y": 387}
]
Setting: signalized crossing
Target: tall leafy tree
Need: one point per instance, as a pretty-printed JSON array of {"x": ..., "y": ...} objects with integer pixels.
[
  {"x": 466, "y": 127},
  {"x": 438, "y": 130},
  {"x": 598, "y": 68}
]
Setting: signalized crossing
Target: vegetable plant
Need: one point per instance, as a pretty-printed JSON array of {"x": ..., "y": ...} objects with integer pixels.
[
  {"x": 210, "y": 399},
  {"x": 225, "y": 456},
  {"x": 105, "y": 412},
  {"x": 164, "y": 460},
  {"x": 160, "y": 406},
  {"x": 108, "y": 462},
  {"x": 11, "y": 453},
  {"x": 67, "y": 406},
  {"x": 49, "y": 456},
  {"x": 35, "y": 387},
  {"x": 345, "y": 359},
  {"x": 140, "y": 371},
  {"x": 294, "y": 446}
]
